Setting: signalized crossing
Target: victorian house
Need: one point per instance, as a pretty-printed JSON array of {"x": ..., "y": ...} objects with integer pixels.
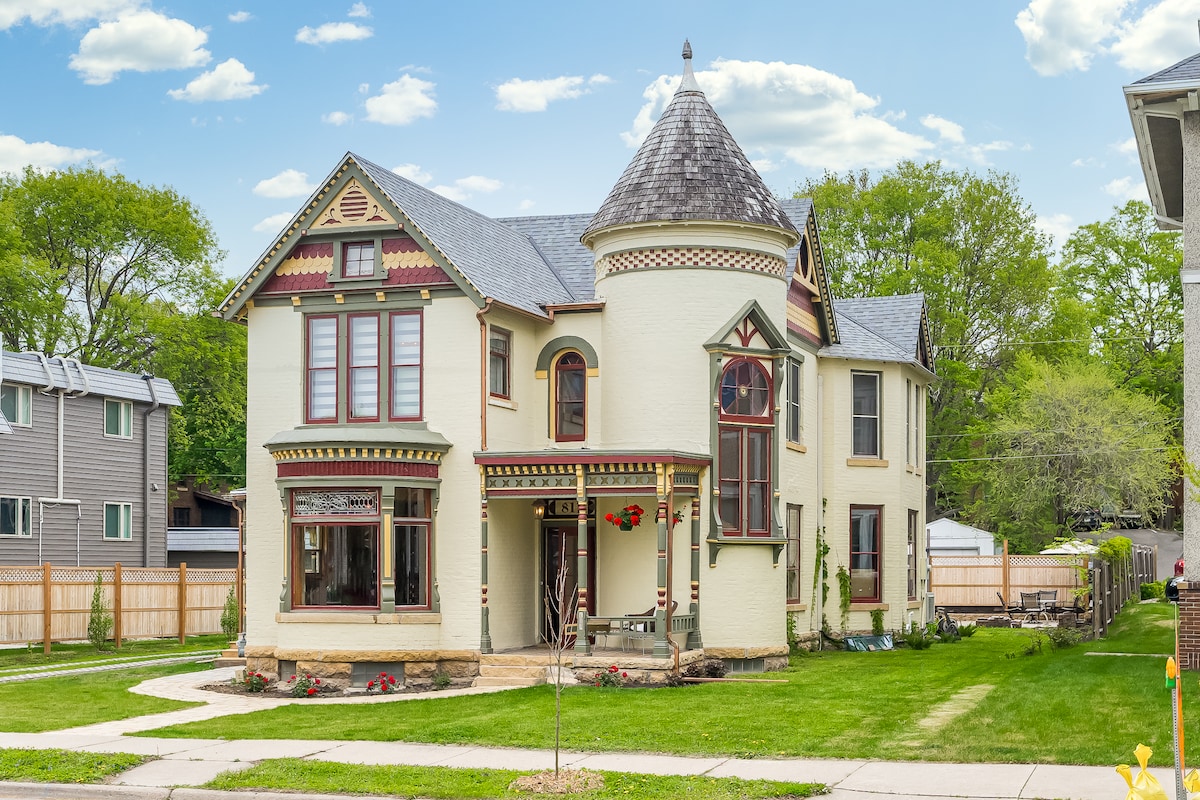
[{"x": 659, "y": 402}]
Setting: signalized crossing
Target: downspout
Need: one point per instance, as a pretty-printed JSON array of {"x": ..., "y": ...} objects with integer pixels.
[
  {"x": 483, "y": 365},
  {"x": 820, "y": 454},
  {"x": 149, "y": 379}
]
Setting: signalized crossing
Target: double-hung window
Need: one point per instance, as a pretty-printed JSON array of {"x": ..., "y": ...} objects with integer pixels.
[
  {"x": 405, "y": 365},
  {"x": 118, "y": 419},
  {"x": 499, "y": 345},
  {"x": 364, "y": 367},
  {"x": 322, "y": 369},
  {"x": 914, "y": 519},
  {"x": 118, "y": 521},
  {"x": 865, "y": 551},
  {"x": 16, "y": 516},
  {"x": 744, "y": 449},
  {"x": 794, "y": 516},
  {"x": 794, "y": 418},
  {"x": 16, "y": 404},
  {"x": 865, "y": 412}
]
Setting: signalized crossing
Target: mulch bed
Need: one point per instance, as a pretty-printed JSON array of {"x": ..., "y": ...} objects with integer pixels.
[{"x": 567, "y": 781}]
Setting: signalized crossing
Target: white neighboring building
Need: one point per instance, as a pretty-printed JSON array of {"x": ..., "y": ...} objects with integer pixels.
[{"x": 949, "y": 538}]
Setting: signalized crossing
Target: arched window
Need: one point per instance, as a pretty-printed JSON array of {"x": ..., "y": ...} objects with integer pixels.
[
  {"x": 570, "y": 397},
  {"x": 744, "y": 450}
]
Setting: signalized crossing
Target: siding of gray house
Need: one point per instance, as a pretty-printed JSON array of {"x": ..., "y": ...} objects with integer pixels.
[{"x": 96, "y": 469}]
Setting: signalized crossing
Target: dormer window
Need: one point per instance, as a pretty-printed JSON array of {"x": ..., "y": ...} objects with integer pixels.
[{"x": 358, "y": 260}]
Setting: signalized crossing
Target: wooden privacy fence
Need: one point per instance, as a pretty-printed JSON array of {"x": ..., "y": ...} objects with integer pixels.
[
  {"x": 974, "y": 581},
  {"x": 53, "y": 604},
  {"x": 1115, "y": 584}
]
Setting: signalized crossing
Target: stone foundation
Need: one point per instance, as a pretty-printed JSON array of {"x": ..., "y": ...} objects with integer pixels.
[{"x": 420, "y": 666}]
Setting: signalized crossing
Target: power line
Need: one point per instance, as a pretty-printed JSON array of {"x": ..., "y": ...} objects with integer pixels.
[{"x": 1041, "y": 455}]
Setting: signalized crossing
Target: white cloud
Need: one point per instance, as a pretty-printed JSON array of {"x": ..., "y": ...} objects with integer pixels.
[
  {"x": 333, "y": 32},
  {"x": 61, "y": 12},
  {"x": 944, "y": 128},
  {"x": 1058, "y": 227},
  {"x": 229, "y": 80},
  {"x": 413, "y": 172},
  {"x": 16, "y": 154},
  {"x": 143, "y": 41},
  {"x": 1090, "y": 161},
  {"x": 363, "y": 88},
  {"x": 762, "y": 165},
  {"x": 978, "y": 153},
  {"x": 289, "y": 183},
  {"x": 1127, "y": 188},
  {"x": 523, "y": 96},
  {"x": 402, "y": 101},
  {"x": 1163, "y": 34},
  {"x": 792, "y": 111},
  {"x": 359, "y": 10},
  {"x": 1127, "y": 147},
  {"x": 273, "y": 223},
  {"x": 1064, "y": 35},
  {"x": 525, "y": 205},
  {"x": 464, "y": 188},
  {"x": 239, "y": 16},
  {"x": 336, "y": 118}
]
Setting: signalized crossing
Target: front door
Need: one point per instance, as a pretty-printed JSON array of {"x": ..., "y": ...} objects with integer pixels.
[{"x": 560, "y": 551}]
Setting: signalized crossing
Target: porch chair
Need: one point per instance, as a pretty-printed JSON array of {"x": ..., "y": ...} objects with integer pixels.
[
  {"x": 1008, "y": 609},
  {"x": 1048, "y": 599},
  {"x": 1031, "y": 606}
]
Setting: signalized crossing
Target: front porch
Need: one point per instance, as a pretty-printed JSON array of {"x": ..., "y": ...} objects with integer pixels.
[{"x": 533, "y": 666}]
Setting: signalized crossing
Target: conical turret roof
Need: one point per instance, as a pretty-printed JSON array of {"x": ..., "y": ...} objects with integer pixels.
[{"x": 689, "y": 168}]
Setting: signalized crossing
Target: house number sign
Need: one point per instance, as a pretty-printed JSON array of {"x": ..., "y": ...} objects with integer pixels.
[{"x": 563, "y": 508}]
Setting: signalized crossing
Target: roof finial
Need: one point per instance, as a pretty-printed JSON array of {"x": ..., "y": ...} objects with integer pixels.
[{"x": 688, "y": 84}]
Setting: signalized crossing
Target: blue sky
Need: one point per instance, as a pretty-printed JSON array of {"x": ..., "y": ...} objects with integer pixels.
[{"x": 536, "y": 107}]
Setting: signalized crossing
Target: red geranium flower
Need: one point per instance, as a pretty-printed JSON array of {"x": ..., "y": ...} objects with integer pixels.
[
  {"x": 391, "y": 679},
  {"x": 608, "y": 517},
  {"x": 312, "y": 690}
]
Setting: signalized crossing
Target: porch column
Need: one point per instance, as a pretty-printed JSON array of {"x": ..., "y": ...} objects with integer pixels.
[
  {"x": 485, "y": 635},
  {"x": 694, "y": 642},
  {"x": 661, "y": 648},
  {"x": 387, "y": 583},
  {"x": 582, "y": 645}
]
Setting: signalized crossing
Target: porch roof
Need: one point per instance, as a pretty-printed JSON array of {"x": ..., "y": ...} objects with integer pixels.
[
  {"x": 594, "y": 472},
  {"x": 572, "y": 457}
]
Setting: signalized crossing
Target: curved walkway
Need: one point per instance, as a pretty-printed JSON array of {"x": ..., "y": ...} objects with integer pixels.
[{"x": 190, "y": 762}]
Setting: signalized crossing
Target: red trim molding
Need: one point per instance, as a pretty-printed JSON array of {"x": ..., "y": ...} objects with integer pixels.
[{"x": 405, "y": 469}]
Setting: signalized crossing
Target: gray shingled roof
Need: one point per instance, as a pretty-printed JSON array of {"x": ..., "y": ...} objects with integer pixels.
[
  {"x": 878, "y": 329},
  {"x": 59, "y": 373},
  {"x": 498, "y": 261},
  {"x": 557, "y": 239},
  {"x": 797, "y": 209},
  {"x": 690, "y": 168},
  {"x": 1186, "y": 70}
]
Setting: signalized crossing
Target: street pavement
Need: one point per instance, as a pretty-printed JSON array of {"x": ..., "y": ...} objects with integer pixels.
[{"x": 184, "y": 763}]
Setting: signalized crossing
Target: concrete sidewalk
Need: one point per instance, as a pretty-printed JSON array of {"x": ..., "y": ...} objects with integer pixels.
[{"x": 191, "y": 762}]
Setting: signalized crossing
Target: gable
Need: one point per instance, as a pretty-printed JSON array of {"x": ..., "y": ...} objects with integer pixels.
[
  {"x": 810, "y": 316},
  {"x": 308, "y": 265},
  {"x": 354, "y": 205},
  {"x": 750, "y": 329}
]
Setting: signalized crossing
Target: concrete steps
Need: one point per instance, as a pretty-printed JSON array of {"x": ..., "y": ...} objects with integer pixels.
[
  {"x": 511, "y": 669},
  {"x": 229, "y": 658}
]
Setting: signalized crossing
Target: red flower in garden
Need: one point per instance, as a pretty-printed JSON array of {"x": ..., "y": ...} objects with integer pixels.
[
  {"x": 312, "y": 690},
  {"x": 391, "y": 679},
  {"x": 624, "y": 674},
  {"x": 370, "y": 684}
]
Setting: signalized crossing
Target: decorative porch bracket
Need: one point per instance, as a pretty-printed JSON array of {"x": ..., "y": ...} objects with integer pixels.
[{"x": 714, "y": 546}]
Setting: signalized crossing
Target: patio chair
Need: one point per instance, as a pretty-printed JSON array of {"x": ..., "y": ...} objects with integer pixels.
[
  {"x": 1031, "y": 606},
  {"x": 1007, "y": 609},
  {"x": 1048, "y": 598}
]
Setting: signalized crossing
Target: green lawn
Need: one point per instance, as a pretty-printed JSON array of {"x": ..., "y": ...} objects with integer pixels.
[
  {"x": 467, "y": 784},
  {"x": 63, "y": 766},
  {"x": 23, "y": 658},
  {"x": 67, "y": 701},
  {"x": 1055, "y": 707}
]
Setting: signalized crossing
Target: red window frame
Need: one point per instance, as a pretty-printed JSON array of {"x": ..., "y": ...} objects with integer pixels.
[
  {"x": 298, "y": 522},
  {"x": 753, "y": 365},
  {"x": 876, "y": 450},
  {"x": 495, "y": 357},
  {"x": 577, "y": 364},
  {"x": 352, "y": 368},
  {"x": 309, "y": 370},
  {"x": 358, "y": 260},
  {"x": 737, "y": 482},
  {"x": 419, "y": 363},
  {"x": 857, "y": 554},
  {"x": 914, "y": 525}
]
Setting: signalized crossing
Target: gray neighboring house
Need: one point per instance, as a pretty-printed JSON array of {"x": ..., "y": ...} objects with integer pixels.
[{"x": 83, "y": 463}]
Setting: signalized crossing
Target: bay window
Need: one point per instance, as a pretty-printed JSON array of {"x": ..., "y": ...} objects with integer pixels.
[
  {"x": 335, "y": 547},
  {"x": 744, "y": 450}
]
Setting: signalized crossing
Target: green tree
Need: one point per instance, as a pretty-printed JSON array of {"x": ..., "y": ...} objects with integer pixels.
[
  {"x": 100, "y": 620},
  {"x": 969, "y": 243},
  {"x": 1059, "y": 438},
  {"x": 1126, "y": 273},
  {"x": 95, "y": 259}
]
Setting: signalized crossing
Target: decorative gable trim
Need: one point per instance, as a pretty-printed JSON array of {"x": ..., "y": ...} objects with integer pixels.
[
  {"x": 747, "y": 322},
  {"x": 824, "y": 297}
]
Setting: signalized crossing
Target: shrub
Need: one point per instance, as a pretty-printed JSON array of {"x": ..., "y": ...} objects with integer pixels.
[
  {"x": 918, "y": 637},
  {"x": 1154, "y": 591},
  {"x": 1061, "y": 638},
  {"x": 229, "y": 617},
  {"x": 304, "y": 685},
  {"x": 253, "y": 682},
  {"x": 441, "y": 679},
  {"x": 877, "y": 622},
  {"x": 967, "y": 630},
  {"x": 708, "y": 668},
  {"x": 613, "y": 676},
  {"x": 100, "y": 621},
  {"x": 383, "y": 684},
  {"x": 1032, "y": 648}
]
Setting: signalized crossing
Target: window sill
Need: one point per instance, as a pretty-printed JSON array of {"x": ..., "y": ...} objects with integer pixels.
[
  {"x": 914, "y": 604},
  {"x": 799, "y": 448},
  {"x": 797, "y": 606},
  {"x": 869, "y": 606},
  {"x": 361, "y": 617},
  {"x": 501, "y": 402},
  {"x": 866, "y": 462}
]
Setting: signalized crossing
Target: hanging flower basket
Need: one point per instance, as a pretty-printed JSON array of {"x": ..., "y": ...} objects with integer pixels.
[{"x": 627, "y": 518}]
